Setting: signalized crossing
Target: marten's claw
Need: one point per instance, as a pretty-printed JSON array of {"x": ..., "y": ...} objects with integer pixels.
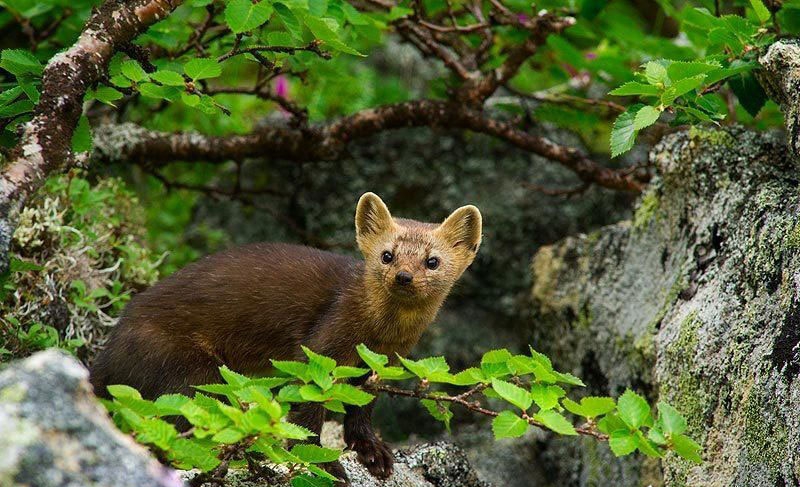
[
  {"x": 337, "y": 470},
  {"x": 375, "y": 455}
]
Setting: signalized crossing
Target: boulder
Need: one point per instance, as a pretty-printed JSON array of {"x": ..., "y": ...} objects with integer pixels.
[
  {"x": 696, "y": 302},
  {"x": 55, "y": 433}
]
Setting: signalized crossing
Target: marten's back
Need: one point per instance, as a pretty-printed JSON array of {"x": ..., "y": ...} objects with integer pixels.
[{"x": 239, "y": 307}]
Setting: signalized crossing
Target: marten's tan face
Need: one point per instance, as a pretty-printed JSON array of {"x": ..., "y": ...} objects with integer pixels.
[{"x": 411, "y": 260}]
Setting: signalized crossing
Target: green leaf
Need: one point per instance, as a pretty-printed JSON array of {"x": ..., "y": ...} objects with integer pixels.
[
  {"x": 293, "y": 368},
  {"x": 290, "y": 21},
  {"x": 202, "y": 68},
  {"x": 508, "y": 425},
  {"x": 156, "y": 432},
  {"x": 590, "y": 407},
  {"x": 233, "y": 378},
  {"x": 556, "y": 422},
  {"x": 133, "y": 71},
  {"x": 189, "y": 453},
  {"x": 439, "y": 410},
  {"x": 315, "y": 454},
  {"x": 304, "y": 480},
  {"x": 312, "y": 392},
  {"x": 292, "y": 431},
  {"x": 168, "y": 78},
  {"x": 10, "y": 95},
  {"x": 350, "y": 395},
  {"x": 228, "y": 436},
  {"x": 427, "y": 368},
  {"x": 82, "y": 139},
  {"x": 656, "y": 73},
  {"x": 645, "y": 117},
  {"x": 680, "y": 88},
  {"x": 106, "y": 94},
  {"x": 687, "y": 448},
  {"x": 671, "y": 419},
  {"x": 374, "y": 361},
  {"x": 622, "y": 443},
  {"x": 623, "y": 134},
  {"x": 761, "y": 11},
  {"x": 16, "y": 108},
  {"x": 512, "y": 393},
  {"x": 646, "y": 446},
  {"x": 546, "y": 396},
  {"x": 468, "y": 377},
  {"x": 121, "y": 391},
  {"x": 749, "y": 92},
  {"x": 322, "y": 30},
  {"x": 320, "y": 368},
  {"x": 635, "y": 88},
  {"x": 633, "y": 409},
  {"x": 495, "y": 363},
  {"x": 678, "y": 70},
  {"x": 345, "y": 372},
  {"x": 20, "y": 63},
  {"x": 170, "y": 404},
  {"x": 245, "y": 15}
]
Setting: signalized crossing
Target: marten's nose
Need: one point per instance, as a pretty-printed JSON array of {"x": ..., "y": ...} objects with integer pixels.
[{"x": 403, "y": 278}]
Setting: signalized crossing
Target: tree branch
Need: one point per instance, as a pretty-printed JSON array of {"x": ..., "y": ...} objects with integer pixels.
[
  {"x": 130, "y": 143},
  {"x": 46, "y": 141}
]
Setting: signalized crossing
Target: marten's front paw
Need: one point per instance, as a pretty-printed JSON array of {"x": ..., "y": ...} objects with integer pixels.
[
  {"x": 375, "y": 455},
  {"x": 337, "y": 470}
]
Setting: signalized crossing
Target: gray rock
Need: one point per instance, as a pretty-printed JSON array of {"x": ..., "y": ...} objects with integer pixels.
[
  {"x": 54, "y": 433},
  {"x": 694, "y": 302}
]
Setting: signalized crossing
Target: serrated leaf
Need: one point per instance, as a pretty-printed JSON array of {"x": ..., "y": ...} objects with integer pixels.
[
  {"x": 312, "y": 392},
  {"x": 645, "y": 117},
  {"x": 761, "y": 11},
  {"x": 304, "y": 480},
  {"x": 106, "y": 94},
  {"x": 350, "y": 395},
  {"x": 678, "y": 70},
  {"x": 624, "y": 133},
  {"x": 133, "y": 71},
  {"x": 323, "y": 31},
  {"x": 246, "y": 15},
  {"x": 233, "y": 378},
  {"x": 188, "y": 454},
  {"x": 656, "y": 73},
  {"x": 633, "y": 409},
  {"x": 687, "y": 448},
  {"x": 508, "y": 425},
  {"x": 293, "y": 368},
  {"x": 335, "y": 406},
  {"x": 315, "y": 454},
  {"x": 468, "y": 377},
  {"x": 646, "y": 446},
  {"x": 546, "y": 396},
  {"x": 16, "y": 108},
  {"x": 427, "y": 367},
  {"x": 512, "y": 393},
  {"x": 439, "y": 410},
  {"x": 494, "y": 363},
  {"x": 567, "y": 378},
  {"x": 228, "y": 436},
  {"x": 290, "y": 21},
  {"x": 156, "y": 432},
  {"x": 556, "y": 422},
  {"x": 622, "y": 443},
  {"x": 672, "y": 420},
  {"x": 635, "y": 88},
  {"x": 82, "y": 141},
  {"x": 374, "y": 361},
  {"x": 10, "y": 95},
  {"x": 293, "y": 432},
  {"x": 680, "y": 88},
  {"x": 121, "y": 391},
  {"x": 202, "y": 68},
  {"x": 170, "y": 404},
  {"x": 590, "y": 407},
  {"x": 749, "y": 92},
  {"x": 20, "y": 63},
  {"x": 345, "y": 372},
  {"x": 168, "y": 78}
]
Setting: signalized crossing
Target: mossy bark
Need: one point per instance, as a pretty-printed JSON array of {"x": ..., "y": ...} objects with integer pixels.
[{"x": 696, "y": 302}]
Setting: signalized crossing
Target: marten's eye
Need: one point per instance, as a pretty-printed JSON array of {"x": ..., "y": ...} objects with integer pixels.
[
  {"x": 432, "y": 263},
  {"x": 387, "y": 257}
]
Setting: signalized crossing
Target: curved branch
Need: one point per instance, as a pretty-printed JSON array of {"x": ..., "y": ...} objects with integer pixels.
[
  {"x": 46, "y": 141},
  {"x": 132, "y": 143}
]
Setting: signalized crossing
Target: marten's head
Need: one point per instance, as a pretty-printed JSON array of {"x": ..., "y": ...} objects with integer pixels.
[{"x": 413, "y": 260}]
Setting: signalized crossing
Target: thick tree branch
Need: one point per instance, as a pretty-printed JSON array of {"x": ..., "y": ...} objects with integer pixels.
[
  {"x": 130, "y": 143},
  {"x": 46, "y": 141}
]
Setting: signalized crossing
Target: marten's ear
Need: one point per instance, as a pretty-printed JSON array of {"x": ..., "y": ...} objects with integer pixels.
[
  {"x": 463, "y": 228},
  {"x": 372, "y": 217}
]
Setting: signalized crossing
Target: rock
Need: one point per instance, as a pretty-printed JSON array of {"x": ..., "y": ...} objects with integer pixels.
[
  {"x": 54, "y": 433},
  {"x": 781, "y": 80},
  {"x": 696, "y": 302}
]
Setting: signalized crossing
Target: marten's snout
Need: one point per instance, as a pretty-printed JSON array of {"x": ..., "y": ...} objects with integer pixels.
[{"x": 403, "y": 278}]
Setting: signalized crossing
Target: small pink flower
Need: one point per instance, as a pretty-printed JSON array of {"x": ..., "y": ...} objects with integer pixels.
[
  {"x": 282, "y": 86},
  {"x": 522, "y": 18},
  {"x": 591, "y": 55}
]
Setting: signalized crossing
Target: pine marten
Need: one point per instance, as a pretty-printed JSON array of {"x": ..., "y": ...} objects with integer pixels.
[{"x": 245, "y": 306}]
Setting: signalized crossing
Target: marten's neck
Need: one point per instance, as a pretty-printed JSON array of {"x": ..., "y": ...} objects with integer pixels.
[{"x": 387, "y": 323}]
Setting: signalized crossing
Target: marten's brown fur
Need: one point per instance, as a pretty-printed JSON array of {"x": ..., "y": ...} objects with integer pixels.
[{"x": 248, "y": 305}]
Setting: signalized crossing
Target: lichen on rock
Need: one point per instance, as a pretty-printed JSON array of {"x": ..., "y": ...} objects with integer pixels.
[{"x": 698, "y": 306}]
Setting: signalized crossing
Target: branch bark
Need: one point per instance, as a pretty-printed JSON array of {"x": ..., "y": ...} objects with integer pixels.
[
  {"x": 129, "y": 143},
  {"x": 46, "y": 141}
]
